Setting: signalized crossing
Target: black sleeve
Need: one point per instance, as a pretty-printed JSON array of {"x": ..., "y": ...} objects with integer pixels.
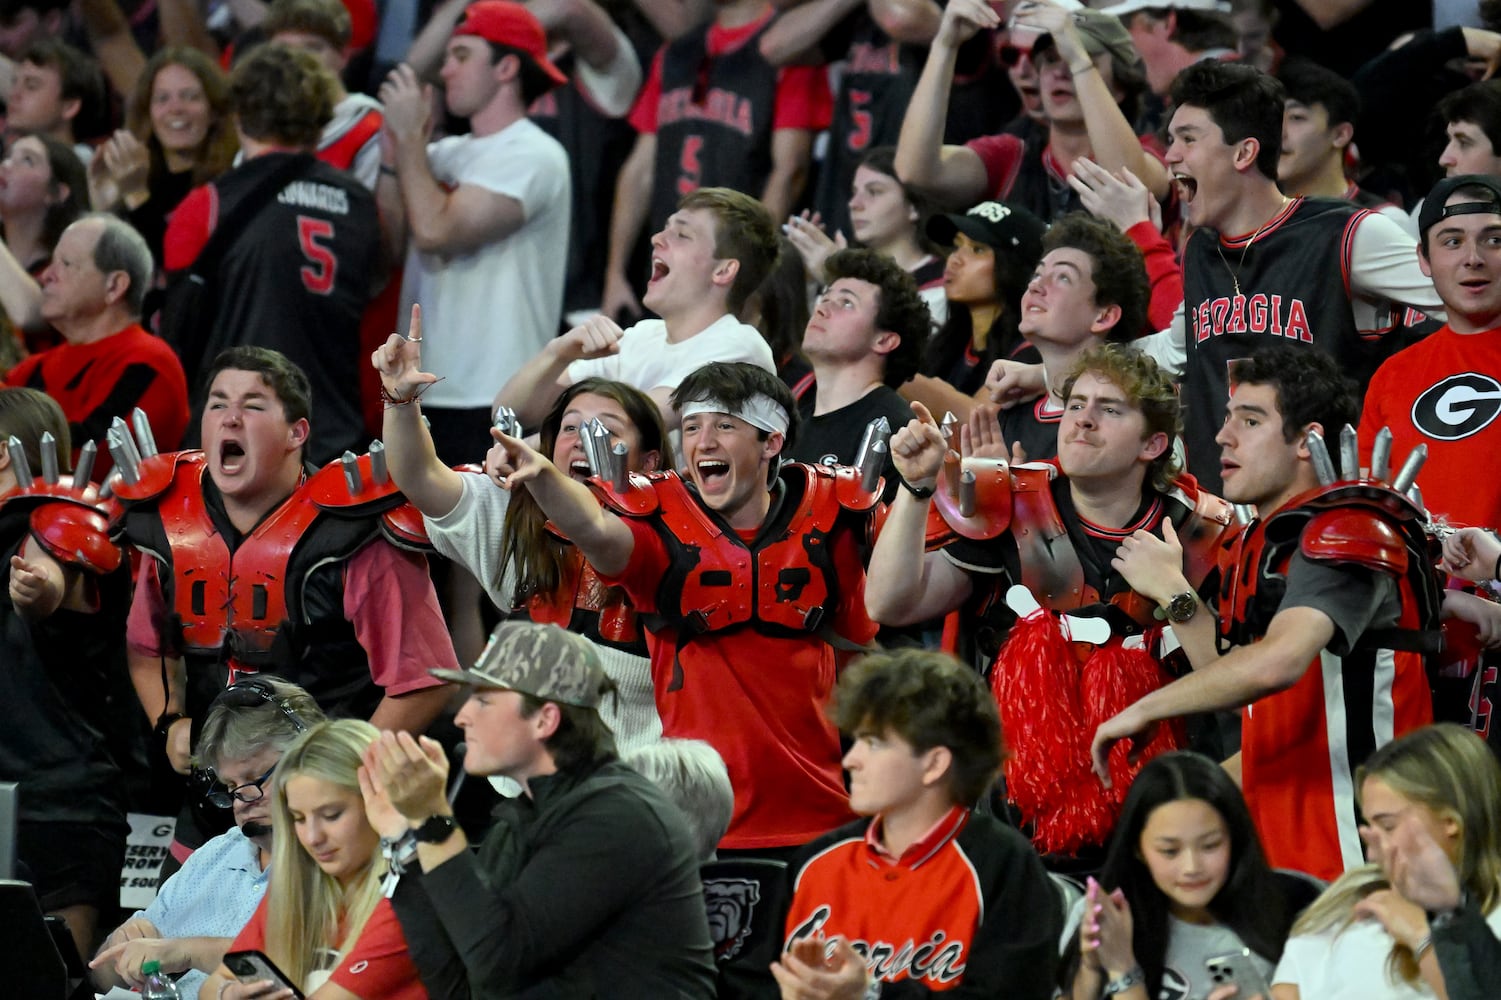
[
  {"x": 1355, "y": 599},
  {"x": 1398, "y": 90},
  {"x": 1469, "y": 954},
  {"x": 433, "y": 953}
]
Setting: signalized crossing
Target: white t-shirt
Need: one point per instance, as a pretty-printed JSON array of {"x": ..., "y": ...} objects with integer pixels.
[
  {"x": 1350, "y": 964},
  {"x": 647, "y": 360},
  {"x": 487, "y": 311}
]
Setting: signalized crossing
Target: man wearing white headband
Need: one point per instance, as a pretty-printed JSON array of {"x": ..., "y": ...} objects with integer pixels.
[{"x": 749, "y": 573}]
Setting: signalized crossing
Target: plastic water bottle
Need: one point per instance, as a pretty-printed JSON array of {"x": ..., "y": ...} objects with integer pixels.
[{"x": 159, "y": 985}]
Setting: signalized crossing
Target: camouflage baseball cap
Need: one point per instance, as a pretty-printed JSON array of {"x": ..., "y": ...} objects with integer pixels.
[{"x": 544, "y": 661}]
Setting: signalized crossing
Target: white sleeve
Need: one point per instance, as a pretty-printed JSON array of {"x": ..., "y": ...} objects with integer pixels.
[
  {"x": 366, "y": 165},
  {"x": 1168, "y": 347},
  {"x": 1384, "y": 265},
  {"x": 472, "y": 532},
  {"x": 1298, "y": 957},
  {"x": 611, "y": 89}
]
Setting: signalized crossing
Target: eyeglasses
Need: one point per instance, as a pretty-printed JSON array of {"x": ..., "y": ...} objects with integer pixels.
[{"x": 220, "y": 797}]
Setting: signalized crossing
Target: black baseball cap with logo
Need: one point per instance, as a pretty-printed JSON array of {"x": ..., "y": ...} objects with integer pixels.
[{"x": 1486, "y": 200}]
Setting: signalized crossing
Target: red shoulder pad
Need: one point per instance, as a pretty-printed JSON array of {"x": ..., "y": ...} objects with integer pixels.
[
  {"x": 639, "y": 498},
  {"x": 328, "y": 489},
  {"x": 1354, "y": 537},
  {"x": 993, "y": 486},
  {"x": 938, "y": 533},
  {"x": 848, "y": 489},
  {"x": 75, "y": 534},
  {"x": 157, "y": 473},
  {"x": 404, "y": 528}
]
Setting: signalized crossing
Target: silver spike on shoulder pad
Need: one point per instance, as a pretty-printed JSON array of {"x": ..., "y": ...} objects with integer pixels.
[
  {"x": 1410, "y": 468},
  {"x": 506, "y": 422},
  {"x": 124, "y": 456},
  {"x": 20, "y": 463},
  {"x": 85, "y": 467},
  {"x": 50, "y": 474},
  {"x": 1381, "y": 455},
  {"x": 1323, "y": 466},
  {"x": 379, "y": 474},
  {"x": 620, "y": 473},
  {"x": 352, "y": 478},
  {"x": 145, "y": 440},
  {"x": 1349, "y": 453}
]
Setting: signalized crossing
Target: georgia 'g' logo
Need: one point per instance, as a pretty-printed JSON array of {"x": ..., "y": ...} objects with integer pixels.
[{"x": 1457, "y": 407}]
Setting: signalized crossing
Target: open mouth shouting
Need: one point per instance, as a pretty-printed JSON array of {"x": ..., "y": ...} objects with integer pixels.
[
  {"x": 231, "y": 457},
  {"x": 713, "y": 475},
  {"x": 659, "y": 270},
  {"x": 1188, "y": 187}
]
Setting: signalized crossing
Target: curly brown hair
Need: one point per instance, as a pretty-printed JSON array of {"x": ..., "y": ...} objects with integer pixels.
[
  {"x": 1149, "y": 389},
  {"x": 1119, "y": 274},
  {"x": 902, "y": 310}
]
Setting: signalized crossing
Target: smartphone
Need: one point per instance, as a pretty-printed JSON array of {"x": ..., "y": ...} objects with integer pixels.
[
  {"x": 254, "y": 967},
  {"x": 1240, "y": 968}
]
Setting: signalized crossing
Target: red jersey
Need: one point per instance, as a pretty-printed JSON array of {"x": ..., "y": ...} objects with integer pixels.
[
  {"x": 967, "y": 903},
  {"x": 1445, "y": 392}
]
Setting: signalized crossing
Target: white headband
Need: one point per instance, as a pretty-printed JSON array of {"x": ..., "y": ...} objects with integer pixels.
[{"x": 760, "y": 411}]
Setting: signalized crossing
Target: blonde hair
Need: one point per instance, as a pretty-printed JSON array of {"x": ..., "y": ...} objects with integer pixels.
[
  {"x": 307, "y": 907},
  {"x": 1451, "y": 771}
]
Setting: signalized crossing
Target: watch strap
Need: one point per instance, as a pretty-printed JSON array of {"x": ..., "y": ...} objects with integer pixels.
[
  {"x": 1120, "y": 984},
  {"x": 435, "y": 829}
]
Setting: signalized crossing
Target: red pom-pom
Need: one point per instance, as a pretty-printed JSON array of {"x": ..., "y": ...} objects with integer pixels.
[
  {"x": 1036, "y": 684},
  {"x": 1114, "y": 679}
]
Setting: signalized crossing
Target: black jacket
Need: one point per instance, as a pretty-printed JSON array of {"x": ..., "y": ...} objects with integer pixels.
[{"x": 589, "y": 888}]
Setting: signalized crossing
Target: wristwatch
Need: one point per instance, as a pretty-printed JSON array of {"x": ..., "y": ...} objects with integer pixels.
[
  {"x": 1122, "y": 983},
  {"x": 1180, "y": 608},
  {"x": 435, "y": 830}
]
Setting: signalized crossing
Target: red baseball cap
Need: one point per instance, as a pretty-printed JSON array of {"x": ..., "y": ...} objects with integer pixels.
[{"x": 506, "y": 23}]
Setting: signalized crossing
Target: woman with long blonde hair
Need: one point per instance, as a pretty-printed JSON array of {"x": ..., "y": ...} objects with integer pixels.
[
  {"x": 1361, "y": 938},
  {"x": 324, "y": 921}
]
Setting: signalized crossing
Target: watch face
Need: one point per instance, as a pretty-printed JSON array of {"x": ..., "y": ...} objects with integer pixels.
[
  {"x": 436, "y": 829},
  {"x": 1181, "y": 608}
]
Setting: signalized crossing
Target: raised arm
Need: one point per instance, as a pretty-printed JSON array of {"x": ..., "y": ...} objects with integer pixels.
[
  {"x": 432, "y": 487},
  {"x": 438, "y": 220},
  {"x": 911, "y": 22},
  {"x": 632, "y": 199},
  {"x": 801, "y": 28},
  {"x": 1111, "y": 136},
  {"x": 426, "y": 53},
  {"x": 903, "y": 584},
  {"x": 954, "y": 174},
  {"x": 603, "y": 538},
  {"x": 109, "y": 35},
  {"x": 534, "y": 388}
]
